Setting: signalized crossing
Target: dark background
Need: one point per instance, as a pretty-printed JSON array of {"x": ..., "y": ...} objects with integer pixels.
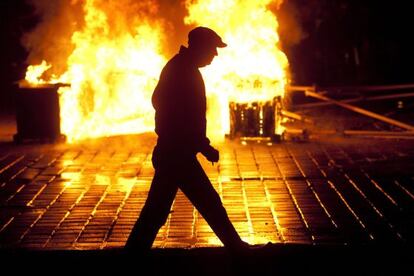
[
  {"x": 337, "y": 43},
  {"x": 352, "y": 42},
  {"x": 16, "y": 18}
]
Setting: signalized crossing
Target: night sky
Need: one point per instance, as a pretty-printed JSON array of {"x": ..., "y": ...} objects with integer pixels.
[{"x": 328, "y": 42}]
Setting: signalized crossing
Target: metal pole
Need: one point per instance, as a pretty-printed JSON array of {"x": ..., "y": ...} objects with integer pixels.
[
  {"x": 361, "y": 111},
  {"x": 300, "y": 88},
  {"x": 354, "y": 133},
  {"x": 296, "y": 116},
  {"x": 378, "y": 133},
  {"x": 353, "y": 88},
  {"x": 359, "y": 99}
]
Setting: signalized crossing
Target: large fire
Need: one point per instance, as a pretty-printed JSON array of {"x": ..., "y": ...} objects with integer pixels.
[{"x": 112, "y": 73}]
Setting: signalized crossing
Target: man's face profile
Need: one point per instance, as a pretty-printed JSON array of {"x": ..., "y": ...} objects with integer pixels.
[
  {"x": 203, "y": 43},
  {"x": 206, "y": 55}
]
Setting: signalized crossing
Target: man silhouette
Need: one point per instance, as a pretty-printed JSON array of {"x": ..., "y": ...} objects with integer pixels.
[{"x": 180, "y": 123}]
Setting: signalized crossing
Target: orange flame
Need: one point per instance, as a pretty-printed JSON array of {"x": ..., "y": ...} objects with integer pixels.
[
  {"x": 113, "y": 73},
  {"x": 252, "y": 67},
  {"x": 35, "y": 72}
]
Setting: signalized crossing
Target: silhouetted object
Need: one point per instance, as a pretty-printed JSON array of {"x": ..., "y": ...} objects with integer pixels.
[
  {"x": 255, "y": 120},
  {"x": 180, "y": 123},
  {"x": 37, "y": 115}
]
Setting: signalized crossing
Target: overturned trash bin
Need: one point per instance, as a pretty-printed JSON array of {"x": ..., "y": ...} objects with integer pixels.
[
  {"x": 256, "y": 120},
  {"x": 38, "y": 115}
]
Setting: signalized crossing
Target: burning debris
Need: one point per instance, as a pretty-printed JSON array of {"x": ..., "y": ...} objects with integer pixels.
[
  {"x": 117, "y": 52},
  {"x": 256, "y": 120}
]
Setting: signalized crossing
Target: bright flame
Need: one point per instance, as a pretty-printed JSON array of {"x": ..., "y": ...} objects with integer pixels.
[
  {"x": 114, "y": 68},
  {"x": 112, "y": 78},
  {"x": 252, "y": 67},
  {"x": 112, "y": 75},
  {"x": 35, "y": 72}
]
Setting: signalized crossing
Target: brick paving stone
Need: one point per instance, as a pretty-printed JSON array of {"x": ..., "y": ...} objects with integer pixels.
[{"x": 88, "y": 196}]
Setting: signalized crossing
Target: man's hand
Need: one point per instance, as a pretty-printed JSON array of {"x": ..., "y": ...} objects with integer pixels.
[{"x": 211, "y": 154}]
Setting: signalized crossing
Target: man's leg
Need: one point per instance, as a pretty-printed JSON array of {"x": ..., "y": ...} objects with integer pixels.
[
  {"x": 155, "y": 211},
  {"x": 199, "y": 190}
]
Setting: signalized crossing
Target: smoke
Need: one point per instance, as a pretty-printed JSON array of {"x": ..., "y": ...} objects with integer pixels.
[
  {"x": 174, "y": 12},
  {"x": 290, "y": 30},
  {"x": 51, "y": 39}
]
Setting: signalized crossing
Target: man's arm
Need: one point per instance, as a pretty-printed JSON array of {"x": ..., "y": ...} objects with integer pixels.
[{"x": 211, "y": 154}]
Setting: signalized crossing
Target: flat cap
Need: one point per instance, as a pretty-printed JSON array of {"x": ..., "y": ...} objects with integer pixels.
[{"x": 203, "y": 36}]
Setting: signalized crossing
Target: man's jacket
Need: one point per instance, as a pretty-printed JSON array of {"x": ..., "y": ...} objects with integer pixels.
[{"x": 180, "y": 106}]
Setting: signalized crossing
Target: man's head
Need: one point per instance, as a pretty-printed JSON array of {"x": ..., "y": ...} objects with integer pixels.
[{"x": 203, "y": 42}]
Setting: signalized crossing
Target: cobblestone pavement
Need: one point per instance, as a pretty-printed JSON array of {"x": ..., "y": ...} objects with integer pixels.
[{"x": 326, "y": 192}]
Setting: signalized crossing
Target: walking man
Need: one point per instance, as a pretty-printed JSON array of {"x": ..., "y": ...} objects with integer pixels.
[{"x": 180, "y": 122}]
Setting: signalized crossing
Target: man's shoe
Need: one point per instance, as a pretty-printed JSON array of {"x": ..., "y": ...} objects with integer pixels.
[
  {"x": 255, "y": 247},
  {"x": 247, "y": 249}
]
